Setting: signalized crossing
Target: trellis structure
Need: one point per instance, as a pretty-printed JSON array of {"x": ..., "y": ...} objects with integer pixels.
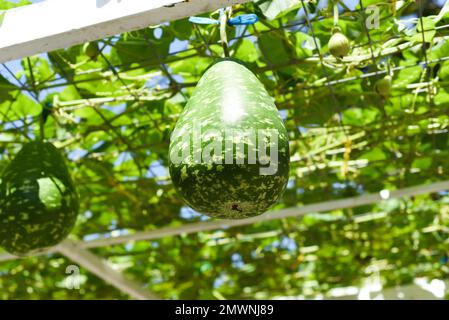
[
  {"x": 77, "y": 251},
  {"x": 75, "y": 27},
  {"x": 75, "y": 22}
]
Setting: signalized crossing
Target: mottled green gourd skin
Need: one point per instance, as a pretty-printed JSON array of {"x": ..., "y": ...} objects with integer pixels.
[
  {"x": 38, "y": 200},
  {"x": 229, "y": 96}
]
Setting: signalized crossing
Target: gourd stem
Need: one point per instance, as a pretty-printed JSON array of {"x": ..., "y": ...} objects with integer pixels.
[
  {"x": 223, "y": 36},
  {"x": 336, "y": 13}
]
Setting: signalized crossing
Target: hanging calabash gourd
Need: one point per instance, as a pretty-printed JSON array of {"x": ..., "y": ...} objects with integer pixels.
[
  {"x": 91, "y": 50},
  {"x": 38, "y": 201},
  {"x": 338, "y": 44},
  {"x": 383, "y": 86},
  {"x": 229, "y": 152}
]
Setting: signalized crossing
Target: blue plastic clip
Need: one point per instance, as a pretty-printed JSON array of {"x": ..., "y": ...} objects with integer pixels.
[
  {"x": 243, "y": 19},
  {"x": 202, "y": 20}
]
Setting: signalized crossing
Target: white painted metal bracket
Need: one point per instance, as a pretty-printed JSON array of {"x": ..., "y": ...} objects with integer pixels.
[
  {"x": 101, "y": 269},
  {"x": 56, "y": 24}
]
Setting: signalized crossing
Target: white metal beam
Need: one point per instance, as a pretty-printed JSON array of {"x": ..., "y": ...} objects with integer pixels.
[
  {"x": 56, "y": 24},
  {"x": 420, "y": 289},
  {"x": 274, "y": 215},
  {"x": 100, "y": 268},
  {"x": 7, "y": 257}
]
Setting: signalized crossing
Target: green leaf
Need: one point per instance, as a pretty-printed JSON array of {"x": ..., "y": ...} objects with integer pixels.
[
  {"x": 182, "y": 29},
  {"x": 25, "y": 106},
  {"x": 19, "y": 109},
  {"x": 442, "y": 97},
  {"x": 277, "y": 8},
  {"x": 374, "y": 155},
  {"x": 6, "y": 89},
  {"x": 305, "y": 44},
  {"x": 92, "y": 116},
  {"x": 143, "y": 47},
  {"x": 154, "y": 137},
  {"x": 273, "y": 47},
  {"x": 191, "y": 68},
  {"x": 359, "y": 116},
  {"x": 5, "y": 5},
  {"x": 425, "y": 31},
  {"x": 247, "y": 51},
  {"x": 422, "y": 163},
  {"x": 40, "y": 71},
  {"x": 444, "y": 71},
  {"x": 407, "y": 76}
]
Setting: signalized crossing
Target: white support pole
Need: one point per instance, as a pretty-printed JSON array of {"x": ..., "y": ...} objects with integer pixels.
[
  {"x": 274, "y": 215},
  {"x": 7, "y": 257},
  {"x": 100, "y": 268},
  {"x": 56, "y": 24}
]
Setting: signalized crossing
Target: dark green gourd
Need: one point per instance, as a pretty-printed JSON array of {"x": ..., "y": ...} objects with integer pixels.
[
  {"x": 38, "y": 201},
  {"x": 229, "y": 119}
]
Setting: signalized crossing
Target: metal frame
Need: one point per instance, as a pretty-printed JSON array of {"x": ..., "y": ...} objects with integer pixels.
[
  {"x": 103, "y": 270},
  {"x": 60, "y": 24}
]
